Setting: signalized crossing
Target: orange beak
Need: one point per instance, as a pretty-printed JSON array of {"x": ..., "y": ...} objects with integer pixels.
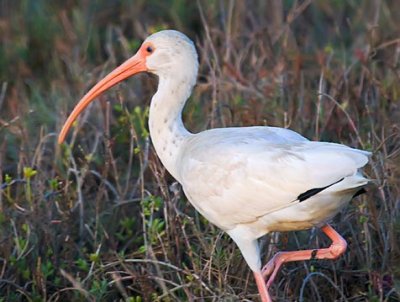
[{"x": 130, "y": 67}]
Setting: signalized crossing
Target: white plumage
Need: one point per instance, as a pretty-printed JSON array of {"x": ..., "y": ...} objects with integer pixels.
[
  {"x": 250, "y": 179},
  {"x": 247, "y": 181}
]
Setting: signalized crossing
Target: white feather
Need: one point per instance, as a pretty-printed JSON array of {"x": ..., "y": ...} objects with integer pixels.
[{"x": 245, "y": 180}]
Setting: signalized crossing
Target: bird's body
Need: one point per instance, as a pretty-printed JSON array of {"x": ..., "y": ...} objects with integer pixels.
[
  {"x": 254, "y": 176},
  {"x": 250, "y": 180},
  {"x": 247, "y": 181}
]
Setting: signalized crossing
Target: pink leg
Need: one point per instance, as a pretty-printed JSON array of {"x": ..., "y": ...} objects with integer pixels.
[
  {"x": 337, "y": 248},
  {"x": 262, "y": 287}
]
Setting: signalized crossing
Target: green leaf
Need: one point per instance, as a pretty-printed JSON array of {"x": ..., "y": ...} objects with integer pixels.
[
  {"x": 29, "y": 172},
  {"x": 82, "y": 264},
  {"x": 94, "y": 257}
]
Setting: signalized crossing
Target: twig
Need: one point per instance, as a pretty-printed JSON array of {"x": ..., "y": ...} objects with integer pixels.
[
  {"x": 350, "y": 120},
  {"x": 308, "y": 278}
]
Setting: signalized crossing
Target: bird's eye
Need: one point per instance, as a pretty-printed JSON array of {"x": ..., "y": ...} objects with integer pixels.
[{"x": 149, "y": 49}]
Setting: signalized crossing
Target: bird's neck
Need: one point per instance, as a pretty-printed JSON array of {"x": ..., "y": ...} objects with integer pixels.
[{"x": 167, "y": 131}]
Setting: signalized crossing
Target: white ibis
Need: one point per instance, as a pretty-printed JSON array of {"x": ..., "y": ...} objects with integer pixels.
[{"x": 248, "y": 181}]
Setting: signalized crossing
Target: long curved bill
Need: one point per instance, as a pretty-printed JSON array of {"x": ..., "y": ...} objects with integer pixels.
[{"x": 130, "y": 67}]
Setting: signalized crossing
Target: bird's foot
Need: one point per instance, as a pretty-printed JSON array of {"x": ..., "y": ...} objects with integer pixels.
[
  {"x": 270, "y": 270},
  {"x": 337, "y": 248}
]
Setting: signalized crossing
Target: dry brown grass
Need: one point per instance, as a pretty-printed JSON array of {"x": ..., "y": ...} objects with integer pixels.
[{"x": 99, "y": 219}]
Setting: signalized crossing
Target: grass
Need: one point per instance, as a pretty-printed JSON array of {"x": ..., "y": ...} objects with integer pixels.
[{"x": 99, "y": 218}]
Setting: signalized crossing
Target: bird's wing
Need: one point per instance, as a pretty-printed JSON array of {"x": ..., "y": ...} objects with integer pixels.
[{"x": 244, "y": 173}]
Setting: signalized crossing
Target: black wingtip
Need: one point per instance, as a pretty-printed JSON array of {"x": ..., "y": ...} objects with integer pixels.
[
  {"x": 312, "y": 192},
  {"x": 309, "y": 193},
  {"x": 359, "y": 192}
]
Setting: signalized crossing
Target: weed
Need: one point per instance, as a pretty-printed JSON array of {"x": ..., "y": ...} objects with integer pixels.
[{"x": 99, "y": 219}]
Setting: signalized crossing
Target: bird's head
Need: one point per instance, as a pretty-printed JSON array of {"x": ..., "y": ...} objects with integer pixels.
[
  {"x": 171, "y": 54},
  {"x": 167, "y": 53}
]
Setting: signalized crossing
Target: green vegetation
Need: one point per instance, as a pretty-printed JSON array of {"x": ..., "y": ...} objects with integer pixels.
[{"x": 99, "y": 219}]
